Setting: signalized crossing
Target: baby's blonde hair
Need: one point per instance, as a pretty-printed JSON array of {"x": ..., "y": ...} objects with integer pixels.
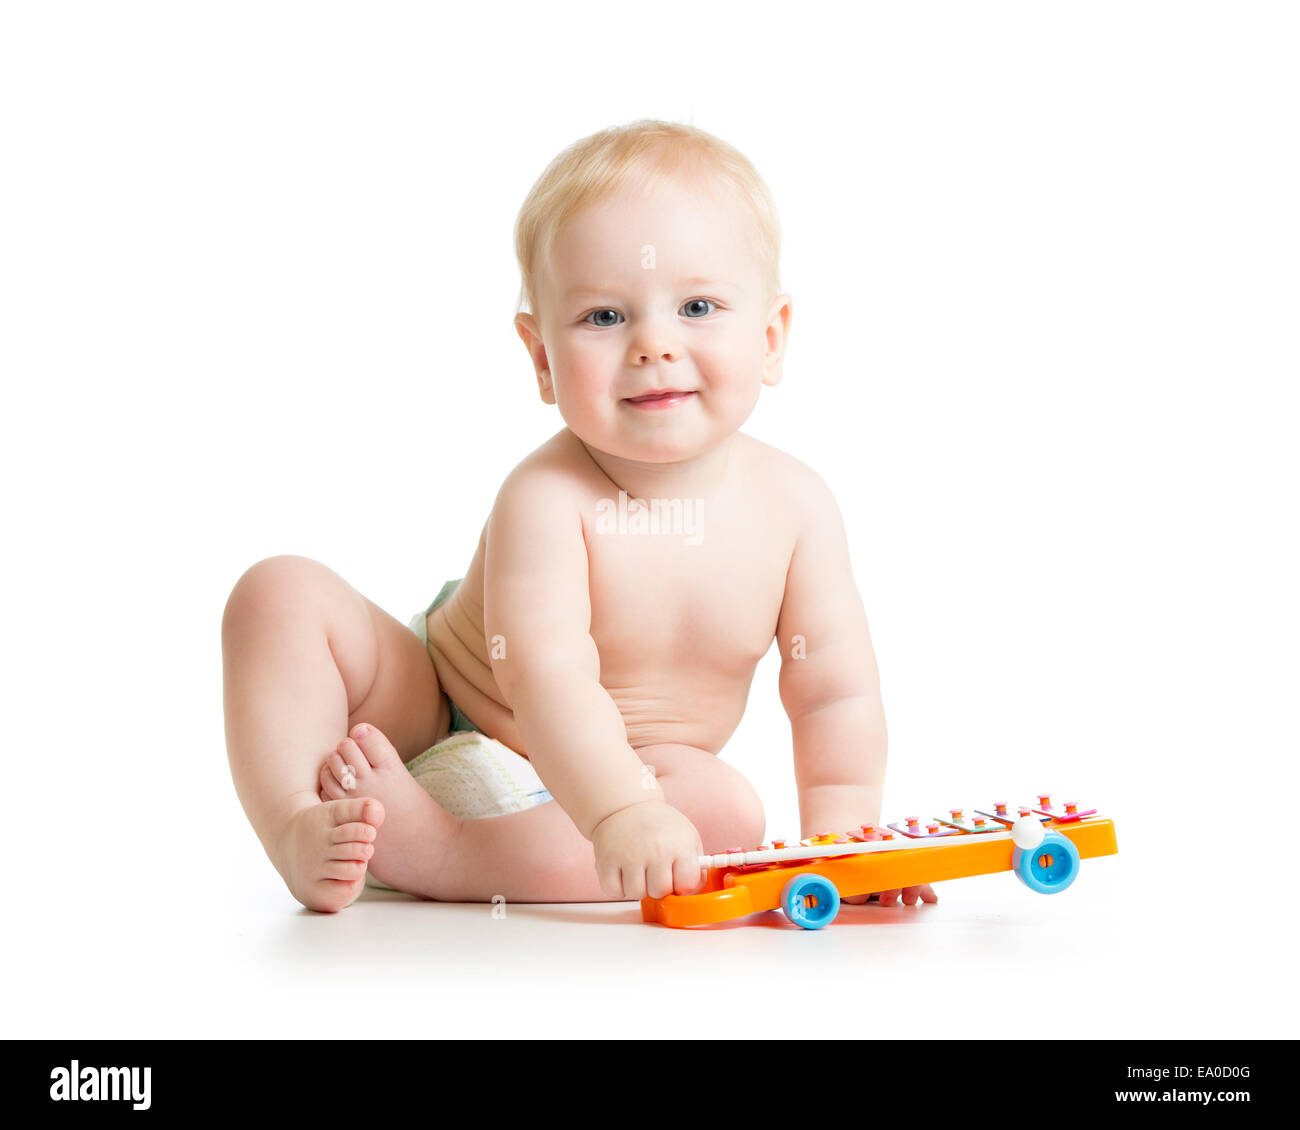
[{"x": 641, "y": 154}]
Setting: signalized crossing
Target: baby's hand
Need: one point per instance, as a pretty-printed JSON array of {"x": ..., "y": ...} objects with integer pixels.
[
  {"x": 647, "y": 849},
  {"x": 890, "y": 898}
]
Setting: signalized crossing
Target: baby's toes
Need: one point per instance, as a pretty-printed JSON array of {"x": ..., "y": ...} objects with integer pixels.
[
  {"x": 352, "y": 818},
  {"x": 344, "y": 869},
  {"x": 353, "y": 853},
  {"x": 346, "y": 768},
  {"x": 378, "y": 750},
  {"x": 352, "y": 839},
  {"x": 354, "y": 832},
  {"x": 352, "y": 843},
  {"x": 337, "y": 779}
]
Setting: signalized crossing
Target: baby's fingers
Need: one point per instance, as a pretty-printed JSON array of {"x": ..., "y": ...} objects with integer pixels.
[
  {"x": 633, "y": 882},
  {"x": 611, "y": 880},
  {"x": 659, "y": 879},
  {"x": 909, "y": 895},
  {"x": 687, "y": 875}
]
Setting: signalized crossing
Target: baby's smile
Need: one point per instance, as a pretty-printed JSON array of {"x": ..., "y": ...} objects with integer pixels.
[{"x": 658, "y": 400}]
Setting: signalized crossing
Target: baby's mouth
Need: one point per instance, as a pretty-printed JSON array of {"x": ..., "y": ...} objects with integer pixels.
[{"x": 663, "y": 398}]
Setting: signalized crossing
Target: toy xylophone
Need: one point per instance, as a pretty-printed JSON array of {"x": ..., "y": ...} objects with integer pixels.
[{"x": 1041, "y": 843}]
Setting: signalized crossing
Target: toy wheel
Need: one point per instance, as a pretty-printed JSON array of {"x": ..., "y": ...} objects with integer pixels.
[
  {"x": 810, "y": 901},
  {"x": 1050, "y": 867}
]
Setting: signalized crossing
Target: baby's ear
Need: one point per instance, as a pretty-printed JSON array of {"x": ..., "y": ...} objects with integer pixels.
[
  {"x": 776, "y": 334},
  {"x": 527, "y": 329}
]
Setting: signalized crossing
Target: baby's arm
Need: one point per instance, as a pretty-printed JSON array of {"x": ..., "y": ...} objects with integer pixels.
[
  {"x": 829, "y": 684},
  {"x": 537, "y": 619}
]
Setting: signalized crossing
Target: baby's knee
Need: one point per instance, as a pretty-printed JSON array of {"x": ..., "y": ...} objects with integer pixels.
[
  {"x": 269, "y": 586},
  {"x": 733, "y": 816}
]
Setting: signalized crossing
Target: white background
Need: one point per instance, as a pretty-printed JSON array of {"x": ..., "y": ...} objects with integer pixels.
[{"x": 256, "y": 286}]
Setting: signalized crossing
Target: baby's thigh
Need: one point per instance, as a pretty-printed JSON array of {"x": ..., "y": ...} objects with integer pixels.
[
  {"x": 712, "y": 795},
  {"x": 404, "y": 702},
  {"x": 387, "y": 676}
]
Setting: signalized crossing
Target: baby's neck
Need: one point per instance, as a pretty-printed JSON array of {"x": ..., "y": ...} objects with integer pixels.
[{"x": 699, "y": 477}]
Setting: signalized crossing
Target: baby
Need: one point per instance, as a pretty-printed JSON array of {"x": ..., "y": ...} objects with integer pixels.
[{"x": 612, "y": 653}]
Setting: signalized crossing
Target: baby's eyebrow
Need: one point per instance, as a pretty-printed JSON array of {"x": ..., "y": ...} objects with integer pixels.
[
  {"x": 575, "y": 291},
  {"x": 704, "y": 282}
]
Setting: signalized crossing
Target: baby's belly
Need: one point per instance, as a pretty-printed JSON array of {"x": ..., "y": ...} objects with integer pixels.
[
  {"x": 693, "y": 708},
  {"x": 679, "y": 712},
  {"x": 460, "y": 660}
]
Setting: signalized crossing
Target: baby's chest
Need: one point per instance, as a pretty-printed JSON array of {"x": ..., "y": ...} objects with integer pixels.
[{"x": 670, "y": 595}]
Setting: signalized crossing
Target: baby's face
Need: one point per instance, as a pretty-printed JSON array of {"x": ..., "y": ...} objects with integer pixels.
[{"x": 642, "y": 295}]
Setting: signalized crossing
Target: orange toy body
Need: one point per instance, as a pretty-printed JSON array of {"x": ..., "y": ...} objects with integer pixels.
[{"x": 808, "y": 888}]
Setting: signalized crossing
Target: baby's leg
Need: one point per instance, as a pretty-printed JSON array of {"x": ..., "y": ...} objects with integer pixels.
[
  {"x": 537, "y": 855},
  {"x": 306, "y": 656}
]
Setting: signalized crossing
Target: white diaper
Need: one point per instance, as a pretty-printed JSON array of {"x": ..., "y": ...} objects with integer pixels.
[{"x": 475, "y": 777}]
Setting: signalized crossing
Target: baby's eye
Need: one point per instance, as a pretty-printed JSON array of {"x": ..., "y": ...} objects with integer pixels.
[
  {"x": 601, "y": 321},
  {"x": 695, "y": 304}
]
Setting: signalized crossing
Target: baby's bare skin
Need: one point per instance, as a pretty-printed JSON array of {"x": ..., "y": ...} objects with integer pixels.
[
  {"x": 680, "y": 619},
  {"x": 679, "y": 627},
  {"x": 596, "y": 650}
]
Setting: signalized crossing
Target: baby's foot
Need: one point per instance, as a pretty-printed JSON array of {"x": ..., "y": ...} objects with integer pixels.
[
  {"x": 417, "y": 830},
  {"x": 324, "y": 850}
]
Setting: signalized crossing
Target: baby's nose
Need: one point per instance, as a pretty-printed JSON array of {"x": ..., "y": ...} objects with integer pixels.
[
  {"x": 655, "y": 343},
  {"x": 662, "y": 355}
]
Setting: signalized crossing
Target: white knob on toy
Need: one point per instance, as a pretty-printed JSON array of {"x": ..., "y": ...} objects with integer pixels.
[{"x": 1027, "y": 833}]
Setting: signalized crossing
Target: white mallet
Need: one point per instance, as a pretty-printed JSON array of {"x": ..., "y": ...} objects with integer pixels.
[{"x": 1027, "y": 833}]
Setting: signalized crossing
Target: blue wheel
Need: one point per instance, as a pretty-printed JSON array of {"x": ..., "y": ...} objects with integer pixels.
[
  {"x": 810, "y": 901},
  {"x": 1050, "y": 867}
]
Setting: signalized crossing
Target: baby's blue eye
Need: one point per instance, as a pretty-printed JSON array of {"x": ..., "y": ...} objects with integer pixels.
[{"x": 695, "y": 308}]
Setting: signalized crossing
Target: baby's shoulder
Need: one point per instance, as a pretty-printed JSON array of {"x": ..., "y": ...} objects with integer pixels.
[
  {"x": 779, "y": 475},
  {"x": 794, "y": 496},
  {"x": 554, "y": 477}
]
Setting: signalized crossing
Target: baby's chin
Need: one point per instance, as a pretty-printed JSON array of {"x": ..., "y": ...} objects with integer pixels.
[
  {"x": 680, "y": 434},
  {"x": 660, "y": 441},
  {"x": 664, "y": 448}
]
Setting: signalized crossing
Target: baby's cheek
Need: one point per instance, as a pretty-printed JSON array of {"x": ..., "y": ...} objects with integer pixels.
[{"x": 579, "y": 380}]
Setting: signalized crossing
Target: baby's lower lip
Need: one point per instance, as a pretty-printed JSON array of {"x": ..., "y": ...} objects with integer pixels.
[{"x": 663, "y": 400}]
